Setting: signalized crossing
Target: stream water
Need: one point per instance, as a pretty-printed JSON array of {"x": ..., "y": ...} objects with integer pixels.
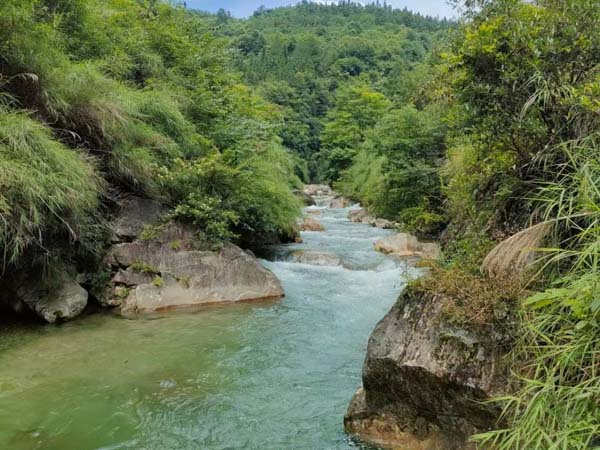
[{"x": 270, "y": 376}]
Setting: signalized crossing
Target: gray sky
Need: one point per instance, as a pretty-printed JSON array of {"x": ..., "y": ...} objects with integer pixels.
[{"x": 243, "y": 8}]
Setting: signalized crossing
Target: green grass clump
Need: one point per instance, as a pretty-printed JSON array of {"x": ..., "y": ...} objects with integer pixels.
[{"x": 47, "y": 191}]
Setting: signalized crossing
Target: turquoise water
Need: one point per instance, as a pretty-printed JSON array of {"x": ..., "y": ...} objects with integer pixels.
[{"x": 277, "y": 375}]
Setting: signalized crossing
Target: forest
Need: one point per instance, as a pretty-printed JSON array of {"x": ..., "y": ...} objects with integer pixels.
[{"x": 472, "y": 132}]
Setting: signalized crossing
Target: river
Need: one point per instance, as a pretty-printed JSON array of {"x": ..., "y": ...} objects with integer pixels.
[{"x": 278, "y": 375}]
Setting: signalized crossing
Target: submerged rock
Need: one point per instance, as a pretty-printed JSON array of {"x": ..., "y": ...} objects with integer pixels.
[
  {"x": 168, "y": 272},
  {"x": 403, "y": 244},
  {"x": 425, "y": 381},
  {"x": 316, "y": 258},
  {"x": 310, "y": 224}
]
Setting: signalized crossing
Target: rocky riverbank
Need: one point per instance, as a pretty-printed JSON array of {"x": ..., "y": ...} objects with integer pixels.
[
  {"x": 425, "y": 380},
  {"x": 152, "y": 264}
]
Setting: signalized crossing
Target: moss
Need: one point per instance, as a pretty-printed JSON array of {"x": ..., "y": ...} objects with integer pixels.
[
  {"x": 151, "y": 232},
  {"x": 122, "y": 292},
  {"x": 158, "y": 281},
  {"x": 143, "y": 267},
  {"x": 175, "y": 245},
  {"x": 185, "y": 280}
]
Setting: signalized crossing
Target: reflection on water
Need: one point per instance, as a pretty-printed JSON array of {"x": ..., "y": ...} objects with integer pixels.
[{"x": 270, "y": 376}]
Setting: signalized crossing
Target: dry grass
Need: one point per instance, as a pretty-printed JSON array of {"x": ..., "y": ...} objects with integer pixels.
[
  {"x": 517, "y": 253},
  {"x": 473, "y": 300}
]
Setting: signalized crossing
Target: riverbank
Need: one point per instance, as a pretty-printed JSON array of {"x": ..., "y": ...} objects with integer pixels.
[{"x": 258, "y": 376}]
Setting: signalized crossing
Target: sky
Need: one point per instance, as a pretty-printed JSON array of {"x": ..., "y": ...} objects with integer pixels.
[{"x": 244, "y": 8}]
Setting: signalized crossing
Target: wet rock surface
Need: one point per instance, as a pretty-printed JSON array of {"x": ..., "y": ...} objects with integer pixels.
[
  {"x": 425, "y": 381},
  {"x": 362, "y": 216}
]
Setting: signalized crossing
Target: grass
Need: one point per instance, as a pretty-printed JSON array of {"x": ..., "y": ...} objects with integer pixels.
[
  {"x": 557, "y": 359},
  {"x": 46, "y": 189}
]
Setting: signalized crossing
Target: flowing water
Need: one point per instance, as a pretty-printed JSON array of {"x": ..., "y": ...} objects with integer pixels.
[{"x": 270, "y": 376}]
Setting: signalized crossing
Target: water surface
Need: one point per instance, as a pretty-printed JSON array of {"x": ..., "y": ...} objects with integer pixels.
[{"x": 270, "y": 376}]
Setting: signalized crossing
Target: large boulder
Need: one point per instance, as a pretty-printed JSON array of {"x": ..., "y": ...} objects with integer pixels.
[
  {"x": 54, "y": 299},
  {"x": 406, "y": 245},
  {"x": 316, "y": 258},
  {"x": 360, "y": 215},
  {"x": 426, "y": 381},
  {"x": 310, "y": 224},
  {"x": 169, "y": 271}
]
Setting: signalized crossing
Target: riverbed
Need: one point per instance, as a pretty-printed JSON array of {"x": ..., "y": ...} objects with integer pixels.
[{"x": 276, "y": 375}]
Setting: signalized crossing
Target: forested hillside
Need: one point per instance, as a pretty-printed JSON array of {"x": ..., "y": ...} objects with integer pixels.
[
  {"x": 478, "y": 133},
  {"x": 345, "y": 76}
]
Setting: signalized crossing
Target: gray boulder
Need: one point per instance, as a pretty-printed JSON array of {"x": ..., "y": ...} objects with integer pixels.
[
  {"x": 170, "y": 272},
  {"x": 339, "y": 202},
  {"x": 362, "y": 216},
  {"x": 425, "y": 381},
  {"x": 306, "y": 199},
  {"x": 319, "y": 190}
]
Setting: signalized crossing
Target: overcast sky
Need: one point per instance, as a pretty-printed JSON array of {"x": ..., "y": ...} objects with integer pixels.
[{"x": 243, "y": 8}]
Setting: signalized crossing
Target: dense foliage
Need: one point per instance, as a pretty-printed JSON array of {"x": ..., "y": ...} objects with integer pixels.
[
  {"x": 106, "y": 97},
  {"x": 472, "y": 132},
  {"x": 334, "y": 70},
  {"x": 480, "y": 130}
]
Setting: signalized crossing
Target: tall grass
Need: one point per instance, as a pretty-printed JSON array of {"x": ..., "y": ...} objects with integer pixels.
[
  {"x": 46, "y": 189},
  {"x": 558, "y": 403}
]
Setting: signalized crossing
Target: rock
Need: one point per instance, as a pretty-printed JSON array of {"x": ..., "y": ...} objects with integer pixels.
[
  {"x": 359, "y": 216},
  {"x": 167, "y": 272},
  {"x": 307, "y": 199},
  {"x": 310, "y": 224},
  {"x": 58, "y": 299},
  {"x": 320, "y": 190},
  {"x": 316, "y": 258},
  {"x": 425, "y": 381},
  {"x": 314, "y": 212},
  {"x": 339, "y": 202},
  {"x": 362, "y": 216},
  {"x": 383, "y": 223},
  {"x": 134, "y": 213},
  {"x": 403, "y": 244}
]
